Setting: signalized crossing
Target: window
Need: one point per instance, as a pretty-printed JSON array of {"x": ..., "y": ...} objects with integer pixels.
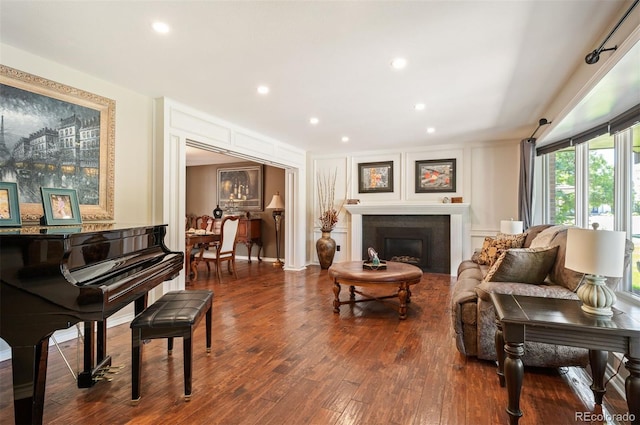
[
  {"x": 635, "y": 209},
  {"x": 601, "y": 187},
  {"x": 562, "y": 186},
  {"x": 581, "y": 189}
]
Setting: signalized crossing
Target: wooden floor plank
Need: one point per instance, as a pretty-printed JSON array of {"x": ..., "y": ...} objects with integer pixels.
[{"x": 280, "y": 355}]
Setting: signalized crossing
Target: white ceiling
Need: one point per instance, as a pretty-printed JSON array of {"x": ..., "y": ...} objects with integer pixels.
[{"x": 485, "y": 69}]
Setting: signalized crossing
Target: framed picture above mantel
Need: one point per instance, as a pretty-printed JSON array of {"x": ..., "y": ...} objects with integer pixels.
[
  {"x": 55, "y": 135},
  {"x": 435, "y": 175},
  {"x": 374, "y": 177}
]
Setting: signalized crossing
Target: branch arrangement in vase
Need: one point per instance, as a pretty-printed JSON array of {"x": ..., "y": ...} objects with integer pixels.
[{"x": 326, "y": 200}]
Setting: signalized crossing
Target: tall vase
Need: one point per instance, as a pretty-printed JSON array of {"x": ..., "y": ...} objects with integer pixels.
[{"x": 326, "y": 249}]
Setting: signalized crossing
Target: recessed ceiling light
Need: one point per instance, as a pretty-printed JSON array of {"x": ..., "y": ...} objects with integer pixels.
[
  {"x": 399, "y": 63},
  {"x": 263, "y": 89},
  {"x": 160, "y": 27},
  {"x": 344, "y": 139},
  {"x": 314, "y": 120},
  {"x": 419, "y": 106},
  {"x": 431, "y": 130}
]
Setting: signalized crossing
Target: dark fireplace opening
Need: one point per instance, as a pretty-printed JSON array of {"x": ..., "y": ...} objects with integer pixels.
[{"x": 422, "y": 240}]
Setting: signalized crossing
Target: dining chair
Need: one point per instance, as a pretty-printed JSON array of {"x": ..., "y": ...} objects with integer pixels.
[
  {"x": 225, "y": 250},
  {"x": 190, "y": 221},
  {"x": 206, "y": 223}
]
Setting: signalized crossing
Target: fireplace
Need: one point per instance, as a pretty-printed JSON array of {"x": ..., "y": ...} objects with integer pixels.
[
  {"x": 459, "y": 240},
  {"x": 421, "y": 240}
]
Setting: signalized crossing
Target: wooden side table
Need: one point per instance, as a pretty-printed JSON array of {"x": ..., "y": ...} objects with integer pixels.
[{"x": 562, "y": 322}]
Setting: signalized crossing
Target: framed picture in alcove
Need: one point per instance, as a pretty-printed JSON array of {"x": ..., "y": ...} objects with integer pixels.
[
  {"x": 241, "y": 188},
  {"x": 436, "y": 175},
  {"x": 375, "y": 177}
]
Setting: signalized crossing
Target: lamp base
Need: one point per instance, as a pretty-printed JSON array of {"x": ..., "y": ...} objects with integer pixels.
[
  {"x": 278, "y": 263},
  {"x": 597, "y": 298}
]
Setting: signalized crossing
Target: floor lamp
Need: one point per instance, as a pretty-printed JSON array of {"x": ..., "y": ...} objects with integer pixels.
[{"x": 277, "y": 206}]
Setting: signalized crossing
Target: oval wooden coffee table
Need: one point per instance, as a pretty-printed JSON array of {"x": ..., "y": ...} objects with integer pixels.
[{"x": 400, "y": 275}]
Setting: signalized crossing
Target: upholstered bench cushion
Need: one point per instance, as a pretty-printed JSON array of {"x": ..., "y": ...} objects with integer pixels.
[
  {"x": 174, "y": 315},
  {"x": 174, "y": 309}
]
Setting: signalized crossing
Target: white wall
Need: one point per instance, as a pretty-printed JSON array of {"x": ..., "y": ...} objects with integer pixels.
[{"x": 487, "y": 178}]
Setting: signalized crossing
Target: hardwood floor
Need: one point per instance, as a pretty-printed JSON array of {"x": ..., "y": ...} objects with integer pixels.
[{"x": 281, "y": 356}]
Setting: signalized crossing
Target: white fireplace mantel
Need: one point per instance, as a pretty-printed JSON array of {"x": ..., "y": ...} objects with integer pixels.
[{"x": 459, "y": 221}]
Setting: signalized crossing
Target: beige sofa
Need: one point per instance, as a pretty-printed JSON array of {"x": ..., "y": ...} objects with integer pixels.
[{"x": 541, "y": 258}]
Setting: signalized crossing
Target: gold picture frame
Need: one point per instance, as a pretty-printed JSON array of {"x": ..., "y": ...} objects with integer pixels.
[{"x": 70, "y": 146}]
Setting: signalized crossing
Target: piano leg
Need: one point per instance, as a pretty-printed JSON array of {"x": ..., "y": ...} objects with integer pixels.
[
  {"x": 101, "y": 340},
  {"x": 95, "y": 347},
  {"x": 29, "y": 380},
  {"x": 85, "y": 378}
]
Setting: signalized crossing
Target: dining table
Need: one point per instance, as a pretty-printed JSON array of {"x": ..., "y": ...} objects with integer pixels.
[{"x": 194, "y": 239}]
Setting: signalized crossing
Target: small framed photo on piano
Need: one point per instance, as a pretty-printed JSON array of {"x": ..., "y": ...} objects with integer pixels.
[
  {"x": 9, "y": 205},
  {"x": 60, "y": 206}
]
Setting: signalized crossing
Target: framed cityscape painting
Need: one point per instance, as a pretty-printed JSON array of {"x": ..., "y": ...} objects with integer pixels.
[
  {"x": 436, "y": 175},
  {"x": 53, "y": 135},
  {"x": 375, "y": 177}
]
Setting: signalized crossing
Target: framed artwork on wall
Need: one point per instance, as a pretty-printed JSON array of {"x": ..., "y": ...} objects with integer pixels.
[
  {"x": 9, "y": 205},
  {"x": 436, "y": 175},
  {"x": 375, "y": 177},
  {"x": 60, "y": 206},
  {"x": 64, "y": 138},
  {"x": 241, "y": 188}
]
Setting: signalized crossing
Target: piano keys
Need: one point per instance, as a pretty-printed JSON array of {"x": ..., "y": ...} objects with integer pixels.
[{"x": 53, "y": 278}]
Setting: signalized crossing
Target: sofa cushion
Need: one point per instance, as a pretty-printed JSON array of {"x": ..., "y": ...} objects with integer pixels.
[
  {"x": 559, "y": 274},
  {"x": 532, "y": 232},
  {"x": 545, "y": 237},
  {"x": 525, "y": 265},
  {"x": 493, "y": 247}
]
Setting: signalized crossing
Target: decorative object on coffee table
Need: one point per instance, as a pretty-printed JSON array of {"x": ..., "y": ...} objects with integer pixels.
[
  {"x": 374, "y": 262},
  {"x": 596, "y": 253}
]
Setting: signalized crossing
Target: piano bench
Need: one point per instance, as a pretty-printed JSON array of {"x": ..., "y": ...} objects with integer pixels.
[{"x": 174, "y": 315}]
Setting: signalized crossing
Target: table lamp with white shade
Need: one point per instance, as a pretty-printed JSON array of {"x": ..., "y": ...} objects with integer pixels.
[
  {"x": 511, "y": 227},
  {"x": 277, "y": 206},
  {"x": 596, "y": 253}
]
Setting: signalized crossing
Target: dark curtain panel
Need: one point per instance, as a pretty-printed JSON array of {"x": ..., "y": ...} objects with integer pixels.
[{"x": 525, "y": 192}]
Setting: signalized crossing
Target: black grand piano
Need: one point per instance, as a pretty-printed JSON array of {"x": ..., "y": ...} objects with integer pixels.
[{"x": 53, "y": 278}]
